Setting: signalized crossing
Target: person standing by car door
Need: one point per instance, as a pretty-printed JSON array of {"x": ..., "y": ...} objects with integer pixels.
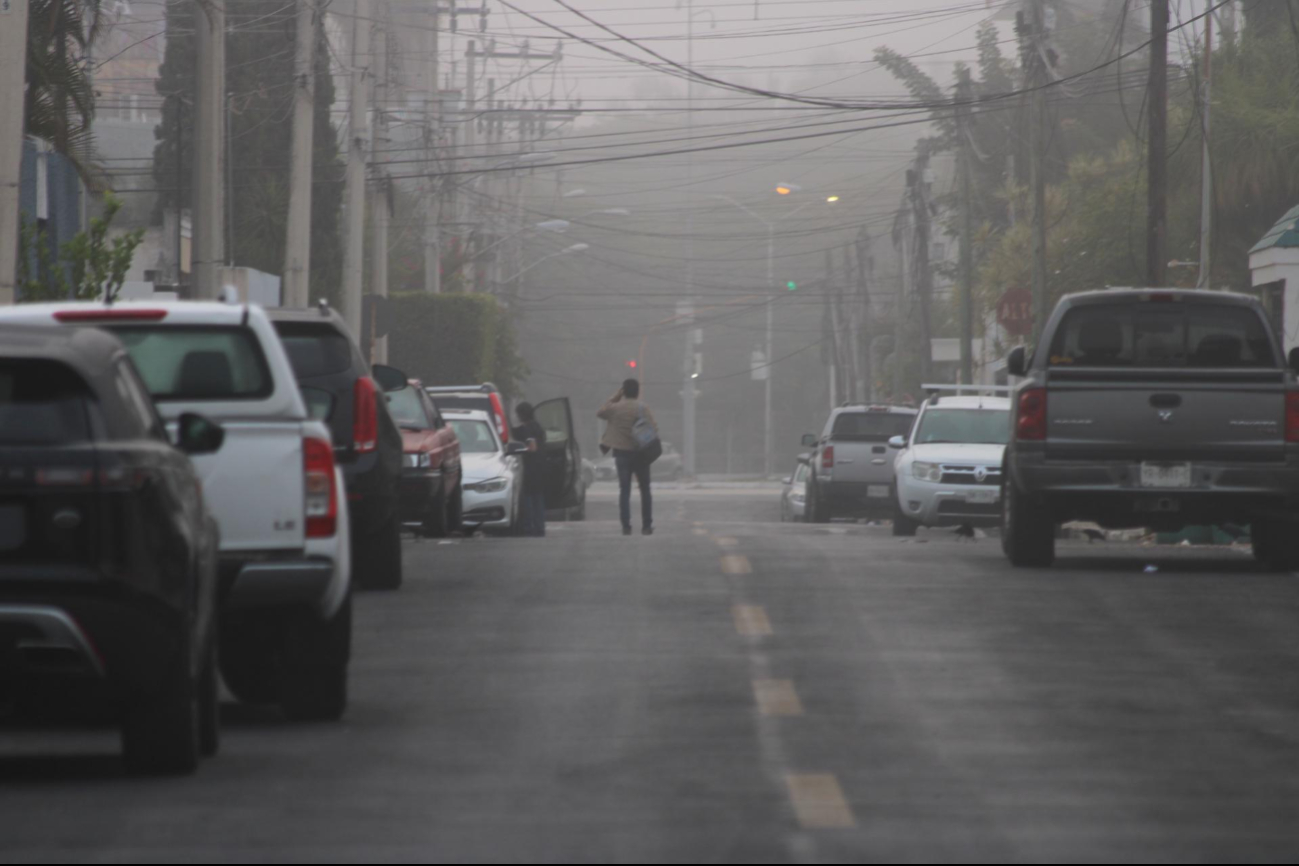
[
  {"x": 532, "y": 503},
  {"x": 624, "y": 413}
]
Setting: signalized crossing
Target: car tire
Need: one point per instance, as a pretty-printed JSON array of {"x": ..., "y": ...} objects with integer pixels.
[
  {"x": 436, "y": 519},
  {"x": 815, "y": 510},
  {"x": 249, "y": 660},
  {"x": 209, "y": 706},
  {"x": 1027, "y": 530},
  {"x": 1276, "y": 544},
  {"x": 160, "y": 733},
  {"x": 903, "y": 526},
  {"x": 579, "y": 511},
  {"x": 379, "y": 566},
  {"x": 315, "y": 667},
  {"x": 456, "y": 514}
]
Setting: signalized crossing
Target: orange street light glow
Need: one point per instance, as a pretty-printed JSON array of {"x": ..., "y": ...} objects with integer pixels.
[
  {"x": 783, "y": 190},
  {"x": 832, "y": 199}
]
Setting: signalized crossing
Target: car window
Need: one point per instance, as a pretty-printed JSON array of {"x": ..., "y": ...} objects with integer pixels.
[
  {"x": 314, "y": 350},
  {"x": 800, "y": 474},
  {"x": 43, "y": 403},
  {"x": 407, "y": 409},
  {"x": 476, "y": 437},
  {"x": 482, "y": 403},
  {"x": 198, "y": 362},
  {"x": 553, "y": 418},
  {"x": 1162, "y": 335},
  {"x": 138, "y": 403},
  {"x": 969, "y": 426},
  {"x": 871, "y": 426}
]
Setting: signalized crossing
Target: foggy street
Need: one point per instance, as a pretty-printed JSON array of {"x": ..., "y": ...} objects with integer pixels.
[{"x": 734, "y": 689}]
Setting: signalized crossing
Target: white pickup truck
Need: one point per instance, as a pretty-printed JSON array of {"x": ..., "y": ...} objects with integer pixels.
[{"x": 286, "y": 614}]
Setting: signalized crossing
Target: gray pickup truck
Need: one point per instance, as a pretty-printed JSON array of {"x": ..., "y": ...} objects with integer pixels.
[
  {"x": 851, "y": 465},
  {"x": 1153, "y": 408}
]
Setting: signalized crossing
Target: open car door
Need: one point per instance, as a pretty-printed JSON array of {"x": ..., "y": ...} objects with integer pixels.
[{"x": 563, "y": 457}]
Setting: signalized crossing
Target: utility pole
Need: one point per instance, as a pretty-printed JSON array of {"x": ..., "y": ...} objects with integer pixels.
[
  {"x": 866, "y": 337},
  {"x": 922, "y": 279},
  {"x": 964, "y": 167},
  {"x": 358, "y": 139},
  {"x": 1206, "y": 165},
  {"x": 1157, "y": 155},
  {"x": 688, "y": 392},
  {"x": 1033, "y": 44},
  {"x": 432, "y": 195},
  {"x": 380, "y": 203},
  {"x": 901, "y": 307},
  {"x": 207, "y": 222},
  {"x": 297, "y": 250},
  {"x": 13, "y": 72}
]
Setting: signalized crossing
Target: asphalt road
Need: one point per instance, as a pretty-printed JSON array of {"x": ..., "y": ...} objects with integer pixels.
[{"x": 735, "y": 689}]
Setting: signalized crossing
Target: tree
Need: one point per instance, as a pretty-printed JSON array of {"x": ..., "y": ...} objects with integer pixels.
[
  {"x": 89, "y": 266},
  {"x": 60, "y": 99}
]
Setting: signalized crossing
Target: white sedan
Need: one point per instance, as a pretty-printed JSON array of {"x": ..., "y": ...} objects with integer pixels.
[
  {"x": 493, "y": 474},
  {"x": 949, "y": 470}
]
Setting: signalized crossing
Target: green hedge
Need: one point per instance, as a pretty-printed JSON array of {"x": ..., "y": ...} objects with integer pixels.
[{"x": 454, "y": 339}]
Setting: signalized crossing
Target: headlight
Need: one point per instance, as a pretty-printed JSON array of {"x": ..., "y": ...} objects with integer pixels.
[
  {"x": 419, "y": 460},
  {"x": 491, "y": 485},
  {"x": 927, "y": 471},
  {"x": 797, "y": 498}
]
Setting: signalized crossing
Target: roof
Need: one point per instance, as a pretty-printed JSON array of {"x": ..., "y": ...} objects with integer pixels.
[
  {"x": 961, "y": 402},
  {"x": 874, "y": 407},
  {"x": 79, "y": 347},
  {"x": 1284, "y": 234},
  {"x": 183, "y": 312},
  {"x": 1101, "y": 296},
  {"x": 466, "y": 414},
  {"x": 298, "y": 314}
]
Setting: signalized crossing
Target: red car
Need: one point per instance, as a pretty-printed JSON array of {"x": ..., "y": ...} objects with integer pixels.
[{"x": 431, "y": 494}]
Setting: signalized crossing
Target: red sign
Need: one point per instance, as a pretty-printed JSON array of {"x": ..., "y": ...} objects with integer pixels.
[{"x": 1015, "y": 312}]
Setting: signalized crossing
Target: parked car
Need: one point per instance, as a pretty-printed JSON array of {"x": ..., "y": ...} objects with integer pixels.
[
  {"x": 851, "y": 467},
  {"x": 274, "y": 488},
  {"x": 668, "y": 466},
  {"x": 948, "y": 470},
  {"x": 563, "y": 485},
  {"x": 1154, "y": 408},
  {"x": 588, "y": 473},
  {"x": 432, "y": 498},
  {"x": 493, "y": 472},
  {"x": 606, "y": 469},
  {"x": 484, "y": 398},
  {"x": 108, "y": 554},
  {"x": 367, "y": 444},
  {"x": 793, "y": 492}
]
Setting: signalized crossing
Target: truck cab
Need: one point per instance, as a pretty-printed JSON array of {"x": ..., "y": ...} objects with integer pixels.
[{"x": 851, "y": 466}]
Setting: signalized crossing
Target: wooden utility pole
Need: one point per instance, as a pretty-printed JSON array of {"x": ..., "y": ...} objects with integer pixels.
[
  {"x": 965, "y": 168},
  {"x": 1157, "y": 157},
  {"x": 13, "y": 72},
  {"x": 1035, "y": 68},
  {"x": 432, "y": 132},
  {"x": 1206, "y": 163},
  {"x": 297, "y": 249},
  {"x": 865, "y": 272},
  {"x": 922, "y": 275},
  {"x": 380, "y": 201},
  {"x": 358, "y": 141},
  {"x": 207, "y": 221}
]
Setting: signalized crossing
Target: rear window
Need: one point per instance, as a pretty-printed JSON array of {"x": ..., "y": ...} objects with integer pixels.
[
  {"x": 871, "y": 426},
  {"x": 198, "y": 362},
  {"x": 1163, "y": 335},
  {"x": 967, "y": 426},
  {"x": 42, "y": 403},
  {"x": 314, "y": 350},
  {"x": 476, "y": 437},
  {"x": 406, "y": 408}
]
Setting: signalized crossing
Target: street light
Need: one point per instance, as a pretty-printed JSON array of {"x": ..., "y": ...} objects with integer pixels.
[{"x": 575, "y": 248}]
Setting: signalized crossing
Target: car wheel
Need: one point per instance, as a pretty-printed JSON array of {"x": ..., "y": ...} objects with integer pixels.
[
  {"x": 816, "y": 510},
  {"x": 379, "y": 566},
  {"x": 1027, "y": 530},
  {"x": 315, "y": 667},
  {"x": 249, "y": 660},
  {"x": 903, "y": 526},
  {"x": 579, "y": 512},
  {"x": 209, "y": 706},
  {"x": 1276, "y": 544},
  {"x": 436, "y": 519},
  {"x": 456, "y": 515},
  {"x": 160, "y": 733}
]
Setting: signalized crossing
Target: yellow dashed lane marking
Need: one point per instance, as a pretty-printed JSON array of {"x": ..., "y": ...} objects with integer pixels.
[
  {"x": 818, "y": 801},
  {"x": 735, "y": 563},
  {"x": 700, "y": 532},
  {"x": 777, "y": 698},
  {"x": 751, "y": 620},
  {"x": 726, "y": 541}
]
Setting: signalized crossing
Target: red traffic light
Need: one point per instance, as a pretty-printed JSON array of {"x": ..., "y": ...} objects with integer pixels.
[{"x": 631, "y": 364}]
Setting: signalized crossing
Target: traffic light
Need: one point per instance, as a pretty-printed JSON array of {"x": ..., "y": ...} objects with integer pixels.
[
  {"x": 791, "y": 286},
  {"x": 631, "y": 365}
]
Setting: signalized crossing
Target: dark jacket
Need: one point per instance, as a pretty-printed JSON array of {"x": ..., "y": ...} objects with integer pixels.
[{"x": 534, "y": 462}]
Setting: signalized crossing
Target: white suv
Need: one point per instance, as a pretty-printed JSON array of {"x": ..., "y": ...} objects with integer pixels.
[
  {"x": 286, "y": 613},
  {"x": 949, "y": 469}
]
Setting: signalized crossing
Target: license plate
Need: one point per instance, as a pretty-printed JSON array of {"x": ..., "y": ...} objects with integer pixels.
[
  {"x": 983, "y": 497},
  {"x": 877, "y": 491},
  {"x": 13, "y": 526},
  {"x": 1166, "y": 476}
]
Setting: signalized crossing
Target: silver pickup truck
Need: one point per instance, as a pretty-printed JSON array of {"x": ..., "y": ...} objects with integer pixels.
[
  {"x": 1153, "y": 408},
  {"x": 851, "y": 466}
]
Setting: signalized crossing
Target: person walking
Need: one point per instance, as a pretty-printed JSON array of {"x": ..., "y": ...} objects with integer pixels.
[
  {"x": 622, "y": 411},
  {"x": 532, "y": 501}
]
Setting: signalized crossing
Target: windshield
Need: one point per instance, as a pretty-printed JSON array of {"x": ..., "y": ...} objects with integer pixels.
[
  {"x": 1163, "y": 335},
  {"x": 198, "y": 363},
  {"x": 42, "y": 403},
  {"x": 967, "y": 426},
  {"x": 871, "y": 426},
  {"x": 314, "y": 350},
  {"x": 407, "y": 409},
  {"x": 475, "y": 437}
]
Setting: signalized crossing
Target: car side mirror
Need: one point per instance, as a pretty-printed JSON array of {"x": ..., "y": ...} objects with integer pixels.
[
  {"x": 514, "y": 446},
  {"x": 898, "y": 442},
  {"x": 809, "y": 440},
  {"x": 320, "y": 403},
  {"x": 1016, "y": 362},
  {"x": 1293, "y": 358},
  {"x": 389, "y": 378},
  {"x": 198, "y": 435}
]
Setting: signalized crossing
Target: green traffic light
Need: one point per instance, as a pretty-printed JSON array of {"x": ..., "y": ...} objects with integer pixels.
[{"x": 792, "y": 286}]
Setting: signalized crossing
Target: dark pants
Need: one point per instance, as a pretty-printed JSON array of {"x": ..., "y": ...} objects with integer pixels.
[
  {"x": 629, "y": 463},
  {"x": 532, "y": 514}
]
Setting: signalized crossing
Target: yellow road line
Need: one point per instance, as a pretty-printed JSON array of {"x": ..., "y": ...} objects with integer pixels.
[
  {"x": 751, "y": 620},
  {"x": 818, "y": 801},
  {"x": 727, "y": 541},
  {"x": 736, "y": 563},
  {"x": 777, "y": 698},
  {"x": 700, "y": 532}
]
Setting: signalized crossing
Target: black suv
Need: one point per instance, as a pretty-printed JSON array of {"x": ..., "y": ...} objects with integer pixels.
[
  {"x": 367, "y": 441},
  {"x": 108, "y": 556}
]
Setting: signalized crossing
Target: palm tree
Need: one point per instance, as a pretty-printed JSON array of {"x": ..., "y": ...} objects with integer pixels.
[{"x": 60, "y": 101}]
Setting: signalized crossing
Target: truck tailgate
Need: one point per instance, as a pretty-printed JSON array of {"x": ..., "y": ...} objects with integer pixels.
[
  {"x": 254, "y": 485},
  {"x": 862, "y": 462},
  {"x": 1144, "y": 414}
]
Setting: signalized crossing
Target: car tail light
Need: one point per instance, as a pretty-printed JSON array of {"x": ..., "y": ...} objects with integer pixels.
[
  {"x": 1030, "y": 424},
  {"x": 321, "y": 495},
  {"x": 827, "y": 457},
  {"x": 365, "y": 415},
  {"x": 110, "y": 314},
  {"x": 1292, "y": 416},
  {"x": 501, "y": 427}
]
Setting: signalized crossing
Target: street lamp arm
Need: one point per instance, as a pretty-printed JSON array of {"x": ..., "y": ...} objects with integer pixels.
[{"x": 750, "y": 211}]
